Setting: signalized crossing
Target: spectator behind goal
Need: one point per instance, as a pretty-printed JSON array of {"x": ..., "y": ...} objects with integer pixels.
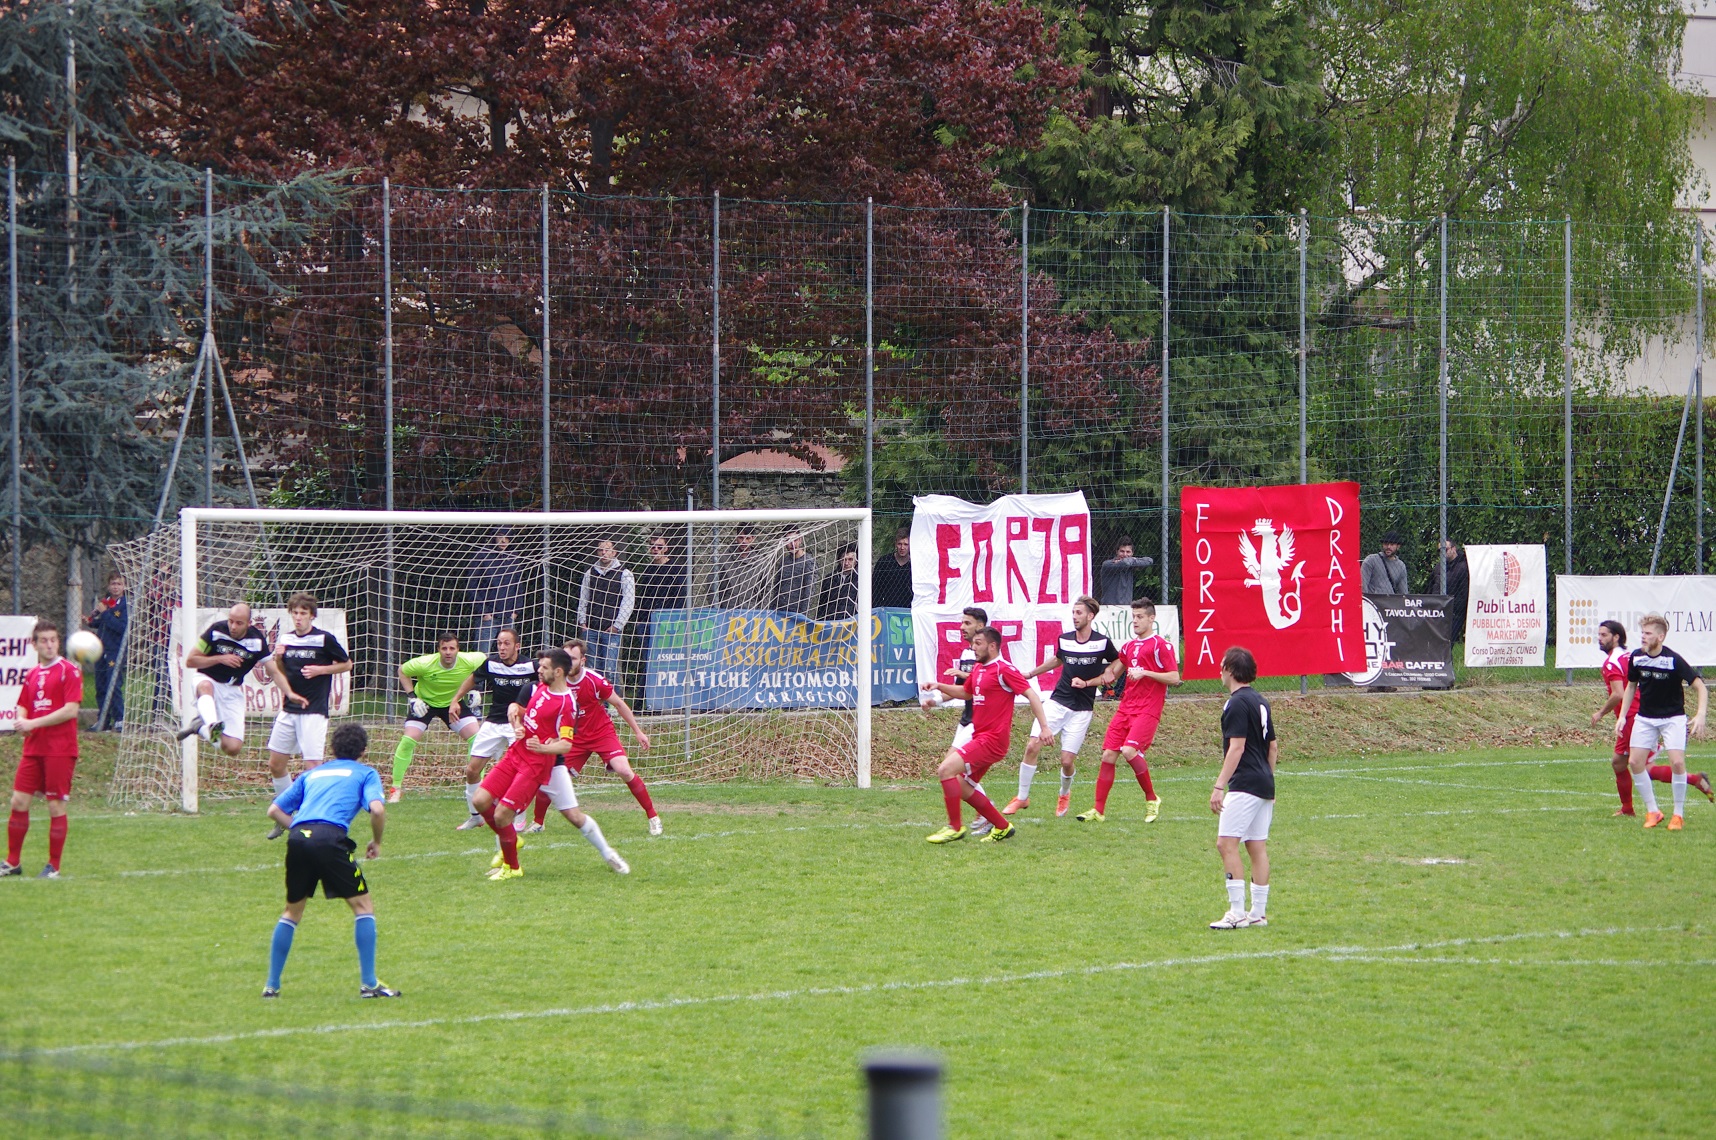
[{"x": 891, "y": 580}]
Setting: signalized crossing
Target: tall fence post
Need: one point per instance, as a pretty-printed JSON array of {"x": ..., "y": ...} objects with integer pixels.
[
  {"x": 208, "y": 336},
  {"x": 547, "y": 344},
  {"x": 1304, "y": 462},
  {"x": 16, "y": 384},
  {"x": 685, "y": 628},
  {"x": 390, "y": 583},
  {"x": 1167, "y": 574},
  {"x": 1024, "y": 348},
  {"x": 1442, "y": 419},
  {"x": 1698, "y": 399},
  {"x": 1567, "y": 399},
  {"x": 869, "y": 356},
  {"x": 715, "y": 364}
]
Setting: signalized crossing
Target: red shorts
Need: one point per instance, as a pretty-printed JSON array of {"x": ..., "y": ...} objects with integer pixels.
[
  {"x": 981, "y": 753},
  {"x": 1623, "y": 742},
  {"x": 515, "y": 780},
  {"x": 49, "y": 775},
  {"x": 1134, "y": 729},
  {"x": 604, "y": 744}
]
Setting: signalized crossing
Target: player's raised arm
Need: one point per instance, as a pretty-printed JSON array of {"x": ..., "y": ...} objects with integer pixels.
[{"x": 951, "y": 692}]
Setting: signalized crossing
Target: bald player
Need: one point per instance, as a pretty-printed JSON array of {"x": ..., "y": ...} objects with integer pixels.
[{"x": 222, "y": 657}]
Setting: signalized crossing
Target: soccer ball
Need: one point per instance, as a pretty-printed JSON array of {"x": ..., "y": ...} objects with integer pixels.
[{"x": 84, "y": 647}]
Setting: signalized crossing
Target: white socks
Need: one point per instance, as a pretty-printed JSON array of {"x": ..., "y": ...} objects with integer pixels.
[
  {"x": 206, "y": 709},
  {"x": 593, "y": 832},
  {"x": 470, "y": 797},
  {"x": 1678, "y": 783},
  {"x": 1027, "y": 773},
  {"x": 281, "y": 783},
  {"x": 1643, "y": 790},
  {"x": 1236, "y": 895},
  {"x": 1259, "y": 900},
  {"x": 1066, "y": 783}
]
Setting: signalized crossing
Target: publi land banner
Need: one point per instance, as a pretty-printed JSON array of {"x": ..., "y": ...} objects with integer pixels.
[
  {"x": 1686, "y": 601},
  {"x": 261, "y": 696},
  {"x": 1276, "y": 570},
  {"x": 715, "y": 659},
  {"x": 1406, "y": 644},
  {"x": 1507, "y": 614},
  {"x": 17, "y": 657},
  {"x": 1023, "y": 558}
]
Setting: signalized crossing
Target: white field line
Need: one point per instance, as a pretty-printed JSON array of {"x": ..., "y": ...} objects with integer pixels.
[
  {"x": 648, "y": 1005},
  {"x": 1125, "y": 829},
  {"x": 1470, "y": 787}
]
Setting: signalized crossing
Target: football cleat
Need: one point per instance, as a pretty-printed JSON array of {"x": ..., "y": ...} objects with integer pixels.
[
  {"x": 504, "y": 872},
  {"x": 268, "y": 992},
  {"x": 1091, "y": 816},
  {"x": 1652, "y": 818},
  {"x": 393, "y": 794},
  {"x": 1702, "y": 782},
  {"x": 532, "y": 829},
  {"x": 1000, "y": 833},
  {"x": 9, "y": 869},
  {"x": 1152, "y": 809},
  {"x": 195, "y": 726},
  {"x": 1016, "y": 804},
  {"x": 470, "y": 821},
  {"x": 52, "y": 872},
  {"x": 980, "y": 827},
  {"x": 1257, "y": 920},
  {"x": 378, "y": 990},
  {"x": 620, "y": 866},
  {"x": 497, "y": 861},
  {"x": 1675, "y": 823},
  {"x": 1061, "y": 806},
  {"x": 948, "y": 835},
  {"x": 655, "y": 825},
  {"x": 277, "y": 832},
  {"x": 1232, "y": 920}
]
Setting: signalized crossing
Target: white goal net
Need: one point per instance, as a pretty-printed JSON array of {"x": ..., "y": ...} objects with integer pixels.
[{"x": 738, "y": 649}]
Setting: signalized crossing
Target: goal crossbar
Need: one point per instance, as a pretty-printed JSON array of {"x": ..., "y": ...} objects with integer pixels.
[{"x": 191, "y": 517}]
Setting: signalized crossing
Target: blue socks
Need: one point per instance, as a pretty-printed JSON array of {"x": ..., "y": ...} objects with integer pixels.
[
  {"x": 363, "y": 932},
  {"x": 282, "y": 946}
]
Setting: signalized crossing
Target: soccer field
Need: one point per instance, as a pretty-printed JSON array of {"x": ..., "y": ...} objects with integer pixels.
[{"x": 1457, "y": 946}]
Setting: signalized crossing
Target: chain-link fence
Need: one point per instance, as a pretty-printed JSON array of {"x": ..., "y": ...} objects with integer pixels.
[{"x": 537, "y": 348}]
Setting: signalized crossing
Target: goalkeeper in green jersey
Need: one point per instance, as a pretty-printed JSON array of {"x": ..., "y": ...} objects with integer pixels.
[{"x": 431, "y": 683}]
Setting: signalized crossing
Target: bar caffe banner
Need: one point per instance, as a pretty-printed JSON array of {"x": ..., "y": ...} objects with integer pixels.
[
  {"x": 1507, "y": 615},
  {"x": 1406, "y": 644},
  {"x": 1687, "y": 601},
  {"x": 17, "y": 657},
  {"x": 1023, "y": 558}
]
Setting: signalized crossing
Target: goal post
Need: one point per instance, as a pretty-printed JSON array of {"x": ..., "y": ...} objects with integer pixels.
[{"x": 757, "y": 672}]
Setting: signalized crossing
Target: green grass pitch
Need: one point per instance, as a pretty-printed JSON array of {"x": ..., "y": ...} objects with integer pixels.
[{"x": 1458, "y": 946}]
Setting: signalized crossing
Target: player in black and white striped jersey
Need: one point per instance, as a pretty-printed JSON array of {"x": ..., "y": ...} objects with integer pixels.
[
  {"x": 1081, "y": 654},
  {"x": 507, "y": 677}
]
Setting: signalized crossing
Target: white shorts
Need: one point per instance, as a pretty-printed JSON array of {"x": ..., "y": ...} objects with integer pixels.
[
  {"x": 229, "y": 708},
  {"x": 1667, "y": 733},
  {"x": 561, "y": 796},
  {"x": 491, "y": 740},
  {"x": 1068, "y": 724},
  {"x": 1245, "y": 817},
  {"x": 962, "y": 735},
  {"x": 300, "y": 734}
]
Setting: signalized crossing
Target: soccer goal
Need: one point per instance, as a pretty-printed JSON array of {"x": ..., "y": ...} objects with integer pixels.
[{"x": 740, "y": 652}]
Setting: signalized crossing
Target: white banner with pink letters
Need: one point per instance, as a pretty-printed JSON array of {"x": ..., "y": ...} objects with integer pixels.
[{"x": 1024, "y": 559}]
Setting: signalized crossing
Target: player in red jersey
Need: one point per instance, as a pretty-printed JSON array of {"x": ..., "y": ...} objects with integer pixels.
[
  {"x": 1612, "y": 640},
  {"x": 1150, "y": 667},
  {"x": 596, "y": 735},
  {"x": 542, "y": 729},
  {"x": 990, "y": 687},
  {"x": 47, "y": 716}
]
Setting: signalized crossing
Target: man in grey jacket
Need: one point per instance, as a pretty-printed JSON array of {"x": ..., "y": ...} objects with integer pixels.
[
  {"x": 1384, "y": 572},
  {"x": 605, "y": 600},
  {"x": 1116, "y": 584},
  {"x": 795, "y": 581}
]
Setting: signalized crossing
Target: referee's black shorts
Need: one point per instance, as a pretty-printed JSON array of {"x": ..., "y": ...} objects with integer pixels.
[{"x": 325, "y": 854}]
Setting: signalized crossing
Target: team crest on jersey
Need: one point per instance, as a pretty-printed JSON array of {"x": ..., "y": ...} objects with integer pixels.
[{"x": 1270, "y": 563}]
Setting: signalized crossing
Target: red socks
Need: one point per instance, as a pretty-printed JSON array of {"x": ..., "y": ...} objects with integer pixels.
[
  {"x": 56, "y": 840},
  {"x": 1624, "y": 785},
  {"x": 1104, "y": 784},
  {"x": 1141, "y": 769},
  {"x": 539, "y": 810},
  {"x": 641, "y": 794},
  {"x": 987, "y": 809},
  {"x": 1662, "y": 773},
  {"x": 507, "y": 836},
  {"x": 17, "y": 826},
  {"x": 950, "y": 793}
]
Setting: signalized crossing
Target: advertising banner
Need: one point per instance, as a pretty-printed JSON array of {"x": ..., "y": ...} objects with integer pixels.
[
  {"x": 717, "y": 660},
  {"x": 1116, "y": 622},
  {"x": 1507, "y": 615},
  {"x": 17, "y": 657},
  {"x": 261, "y": 697},
  {"x": 1686, "y": 601},
  {"x": 1275, "y": 569},
  {"x": 1407, "y": 644},
  {"x": 1024, "y": 558}
]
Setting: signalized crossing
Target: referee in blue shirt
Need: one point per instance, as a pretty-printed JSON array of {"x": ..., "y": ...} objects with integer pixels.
[{"x": 316, "y": 811}]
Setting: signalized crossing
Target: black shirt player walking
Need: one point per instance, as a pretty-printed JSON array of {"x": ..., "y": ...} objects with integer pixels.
[{"x": 1244, "y": 792}]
